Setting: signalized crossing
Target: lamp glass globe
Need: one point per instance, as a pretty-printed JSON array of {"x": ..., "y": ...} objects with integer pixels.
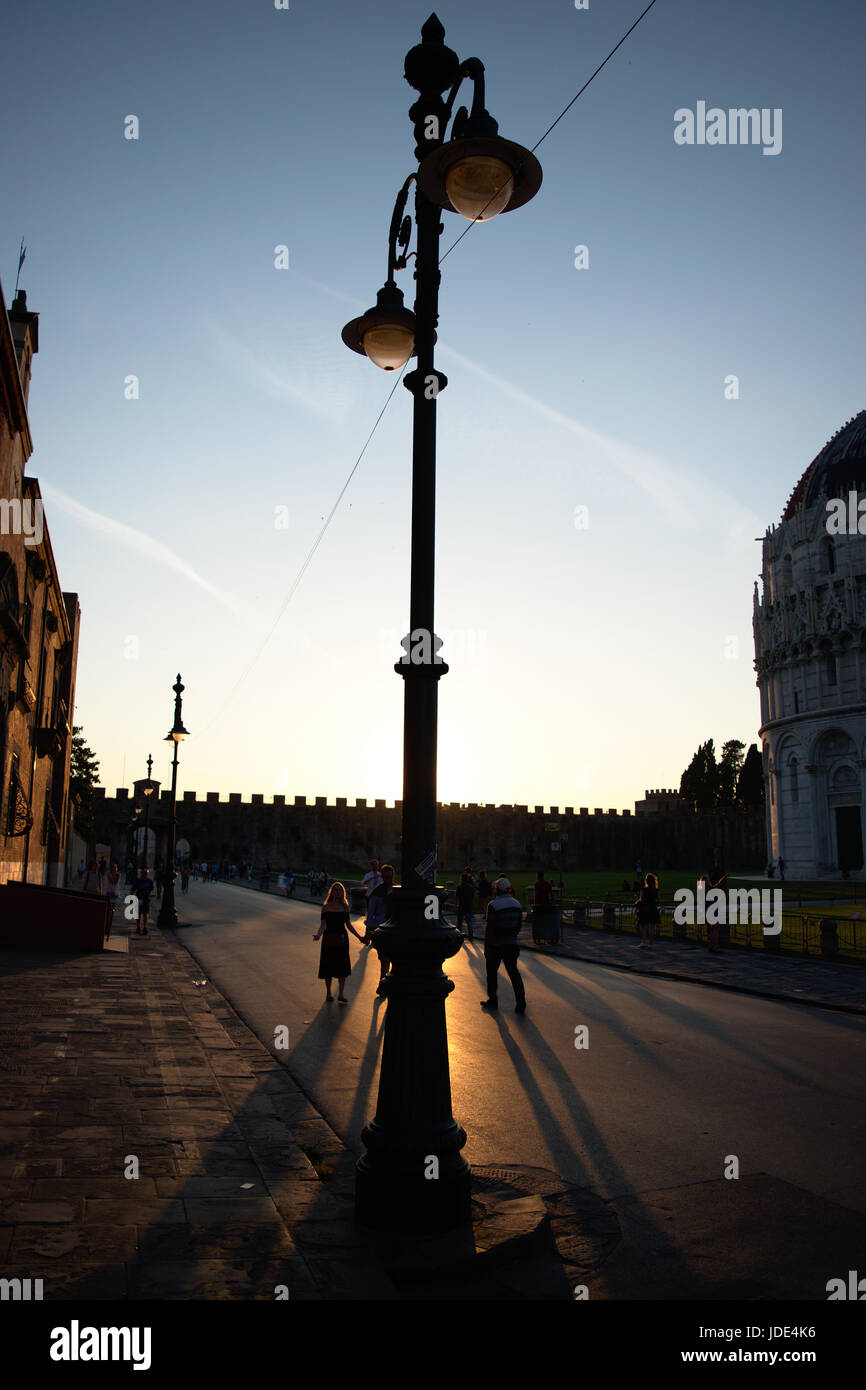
[
  {"x": 479, "y": 186},
  {"x": 389, "y": 345}
]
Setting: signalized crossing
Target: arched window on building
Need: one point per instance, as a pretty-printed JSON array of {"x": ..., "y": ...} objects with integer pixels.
[
  {"x": 830, "y": 555},
  {"x": 793, "y": 772},
  {"x": 787, "y": 576}
]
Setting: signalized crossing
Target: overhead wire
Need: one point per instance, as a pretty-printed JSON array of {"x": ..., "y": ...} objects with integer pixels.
[
  {"x": 310, "y": 554},
  {"x": 552, "y": 126},
  {"x": 307, "y": 562}
]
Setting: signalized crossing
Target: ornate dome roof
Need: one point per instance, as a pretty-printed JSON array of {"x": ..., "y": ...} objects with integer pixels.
[{"x": 841, "y": 465}]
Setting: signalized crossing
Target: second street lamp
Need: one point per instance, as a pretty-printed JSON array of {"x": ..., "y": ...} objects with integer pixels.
[
  {"x": 147, "y": 790},
  {"x": 167, "y": 913},
  {"x": 479, "y": 174}
]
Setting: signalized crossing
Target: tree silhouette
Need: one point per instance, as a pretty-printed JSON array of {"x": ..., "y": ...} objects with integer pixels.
[
  {"x": 699, "y": 784},
  {"x": 730, "y": 764},
  {"x": 83, "y": 777},
  {"x": 750, "y": 783}
]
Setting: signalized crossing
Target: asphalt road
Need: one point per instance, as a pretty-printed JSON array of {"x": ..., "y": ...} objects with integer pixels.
[{"x": 677, "y": 1079}]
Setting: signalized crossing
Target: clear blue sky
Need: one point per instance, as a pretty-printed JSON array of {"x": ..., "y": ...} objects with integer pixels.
[{"x": 586, "y": 664}]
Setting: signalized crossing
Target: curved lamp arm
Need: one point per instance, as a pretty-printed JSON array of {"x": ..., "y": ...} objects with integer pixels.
[
  {"x": 400, "y": 231},
  {"x": 479, "y": 121}
]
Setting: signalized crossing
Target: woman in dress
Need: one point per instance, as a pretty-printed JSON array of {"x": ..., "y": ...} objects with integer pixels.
[
  {"x": 647, "y": 906},
  {"x": 336, "y": 925}
]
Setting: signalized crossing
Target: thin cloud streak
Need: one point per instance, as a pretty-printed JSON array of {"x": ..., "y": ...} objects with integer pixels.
[
  {"x": 140, "y": 541},
  {"x": 686, "y": 499},
  {"x": 312, "y": 381}
]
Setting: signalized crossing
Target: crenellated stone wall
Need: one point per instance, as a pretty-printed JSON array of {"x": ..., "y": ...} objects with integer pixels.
[{"x": 304, "y": 833}]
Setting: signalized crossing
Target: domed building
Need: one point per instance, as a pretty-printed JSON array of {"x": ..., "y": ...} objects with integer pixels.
[{"x": 810, "y": 656}]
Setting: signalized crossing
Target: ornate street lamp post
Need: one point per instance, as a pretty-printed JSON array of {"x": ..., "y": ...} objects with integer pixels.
[
  {"x": 132, "y": 836},
  {"x": 167, "y": 913},
  {"x": 147, "y": 790},
  {"x": 476, "y": 173}
]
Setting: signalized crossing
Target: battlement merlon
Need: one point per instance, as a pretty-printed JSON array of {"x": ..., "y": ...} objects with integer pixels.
[{"x": 342, "y": 803}]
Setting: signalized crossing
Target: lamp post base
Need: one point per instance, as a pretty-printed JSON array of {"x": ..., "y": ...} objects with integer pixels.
[
  {"x": 412, "y": 1180},
  {"x": 394, "y": 1197},
  {"x": 167, "y": 913}
]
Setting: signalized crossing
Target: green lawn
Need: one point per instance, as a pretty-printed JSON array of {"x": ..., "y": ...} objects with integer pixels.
[
  {"x": 812, "y": 890},
  {"x": 593, "y": 885}
]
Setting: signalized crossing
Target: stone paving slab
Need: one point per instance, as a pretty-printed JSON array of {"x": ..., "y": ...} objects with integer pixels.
[
  {"x": 115, "y": 1059},
  {"x": 802, "y": 979}
]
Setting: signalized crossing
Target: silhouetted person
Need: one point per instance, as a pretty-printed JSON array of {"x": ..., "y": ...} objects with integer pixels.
[
  {"x": 485, "y": 893},
  {"x": 647, "y": 910},
  {"x": 334, "y": 930},
  {"x": 543, "y": 890},
  {"x": 142, "y": 889},
  {"x": 712, "y": 927},
  {"x": 377, "y": 913},
  {"x": 504, "y": 916},
  {"x": 465, "y": 899}
]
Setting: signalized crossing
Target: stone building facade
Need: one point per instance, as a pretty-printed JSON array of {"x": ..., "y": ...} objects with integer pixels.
[
  {"x": 305, "y": 834},
  {"x": 39, "y": 626},
  {"x": 660, "y": 801},
  {"x": 810, "y": 658}
]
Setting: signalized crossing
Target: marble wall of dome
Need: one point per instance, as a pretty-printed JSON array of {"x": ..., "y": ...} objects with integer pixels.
[{"x": 810, "y": 656}]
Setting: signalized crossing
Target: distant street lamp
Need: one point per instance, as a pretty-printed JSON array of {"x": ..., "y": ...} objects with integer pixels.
[
  {"x": 147, "y": 789},
  {"x": 132, "y": 834},
  {"x": 167, "y": 913},
  {"x": 477, "y": 173}
]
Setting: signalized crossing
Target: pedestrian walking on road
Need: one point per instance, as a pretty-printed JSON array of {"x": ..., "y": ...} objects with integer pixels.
[
  {"x": 647, "y": 910},
  {"x": 143, "y": 889},
  {"x": 485, "y": 892},
  {"x": 112, "y": 886},
  {"x": 504, "y": 916},
  {"x": 781, "y": 869},
  {"x": 184, "y": 878},
  {"x": 378, "y": 909},
  {"x": 372, "y": 879},
  {"x": 92, "y": 879},
  {"x": 336, "y": 924},
  {"x": 465, "y": 899}
]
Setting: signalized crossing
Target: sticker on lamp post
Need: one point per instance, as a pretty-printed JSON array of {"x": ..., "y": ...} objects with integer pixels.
[{"x": 426, "y": 869}]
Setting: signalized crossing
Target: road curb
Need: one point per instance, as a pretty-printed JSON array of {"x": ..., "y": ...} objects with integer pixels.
[{"x": 662, "y": 974}]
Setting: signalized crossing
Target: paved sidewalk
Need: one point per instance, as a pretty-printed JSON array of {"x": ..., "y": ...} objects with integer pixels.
[
  {"x": 833, "y": 984},
  {"x": 115, "y": 1060}
]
